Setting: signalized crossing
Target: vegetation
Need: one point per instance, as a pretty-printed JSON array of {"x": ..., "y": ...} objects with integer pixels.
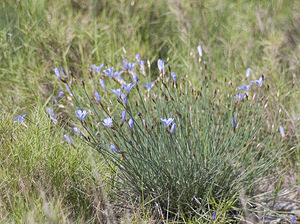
[{"x": 45, "y": 179}]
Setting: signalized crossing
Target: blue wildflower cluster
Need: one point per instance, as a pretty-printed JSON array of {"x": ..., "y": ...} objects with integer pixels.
[
  {"x": 164, "y": 134},
  {"x": 122, "y": 93},
  {"x": 246, "y": 88}
]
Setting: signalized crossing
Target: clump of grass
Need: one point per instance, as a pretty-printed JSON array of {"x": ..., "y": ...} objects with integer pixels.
[
  {"x": 36, "y": 34},
  {"x": 174, "y": 146},
  {"x": 43, "y": 179}
]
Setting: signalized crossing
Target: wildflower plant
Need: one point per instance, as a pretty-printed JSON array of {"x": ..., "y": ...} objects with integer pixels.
[{"x": 182, "y": 146}]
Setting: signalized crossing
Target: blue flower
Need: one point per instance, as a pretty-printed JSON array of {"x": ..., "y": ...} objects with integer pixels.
[
  {"x": 109, "y": 72},
  {"x": 293, "y": 219},
  {"x": 174, "y": 77},
  {"x": 128, "y": 66},
  {"x": 130, "y": 123},
  {"x": 97, "y": 96},
  {"x": 248, "y": 72},
  {"x": 102, "y": 84},
  {"x": 161, "y": 65},
  {"x": 124, "y": 98},
  {"x": 233, "y": 122},
  {"x": 281, "y": 131},
  {"x": 138, "y": 59},
  {"x": 245, "y": 87},
  {"x": 20, "y": 118},
  {"x": 167, "y": 121},
  {"x": 63, "y": 71},
  {"x": 240, "y": 96},
  {"x": 76, "y": 130},
  {"x": 214, "y": 216},
  {"x": 81, "y": 114},
  {"x": 123, "y": 116},
  {"x": 118, "y": 75},
  {"x": 108, "y": 122},
  {"x": 68, "y": 139},
  {"x": 149, "y": 86},
  {"x": 54, "y": 100},
  {"x": 57, "y": 73},
  {"x": 117, "y": 92},
  {"x": 61, "y": 93},
  {"x": 135, "y": 78},
  {"x": 68, "y": 88},
  {"x": 113, "y": 147},
  {"x": 50, "y": 112},
  {"x": 259, "y": 81},
  {"x": 199, "y": 48},
  {"x": 173, "y": 128},
  {"x": 128, "y": 86},
  {"x": 97, "y": 68}
]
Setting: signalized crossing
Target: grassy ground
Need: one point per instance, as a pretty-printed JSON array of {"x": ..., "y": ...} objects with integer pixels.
[{"x": 43, "y": 179}]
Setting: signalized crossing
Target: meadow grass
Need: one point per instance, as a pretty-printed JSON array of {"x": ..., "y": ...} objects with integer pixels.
[{"x": 46, "y": 180}]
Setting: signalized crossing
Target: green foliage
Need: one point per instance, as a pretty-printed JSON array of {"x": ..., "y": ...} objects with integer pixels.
[
  {"x": 42, "y": 178},
  {"x": 38, "y": 35},
  {"x": 206, "y": 156}
]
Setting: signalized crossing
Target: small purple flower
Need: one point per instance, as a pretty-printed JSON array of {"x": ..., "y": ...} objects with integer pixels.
[
  {"x": 123, "y": 116},
  {"x": 128, "y": 86},
  {"x": 173, "y": 128},
  {"x": 102, "y": 84},
  {"x": 281, "y": 131},
  {"x": 81, "y": 114},
  {"x": 64, "y": 73},
  {"x": 114, "y": 148},
  {"x": 259, "y": 81},
  {"x": 149, "y": 86},
  {"x": 117, "y": 92},
  {"x": 174, "y": 77},
  {"x": 248, "y": 72},
  {"x": 128, "y": 66},
  {"x": 50, "y": 112},
  {"x": 124, "y": 98},
  {"x": 109, "y": 72},
  {"x": 161, "y": 65},
  {"x": 214, "y": 216},
  {"x": 68, "y": 139},
  {"x": 57, "y": 73},
  {"x": 76, "y": 130},
  {"x": 97, "y": 96},
  {"x": 233, "y": 122},
  {"x": 108, "y": 122},
  {"x": 118, "y": 75},
  {"x": 135, "y": 78},
  {"x": 293, "y": 219},
  {"x": 68, "y": 88},
  {"x": 130, "y": 123},
  {"x": 97, "y": 68},
  {"x": 240, "y": 96},
  {"x": 138, "y": 59},
  {"x": 245, "y": 87},
  {"x": 199, "y": 48},
  {"x": 54, "y": 100},
  {"x": 20, "y": 118},
  {"x": 167, "y": 121},
  {"x": 60, "y": 94}
]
